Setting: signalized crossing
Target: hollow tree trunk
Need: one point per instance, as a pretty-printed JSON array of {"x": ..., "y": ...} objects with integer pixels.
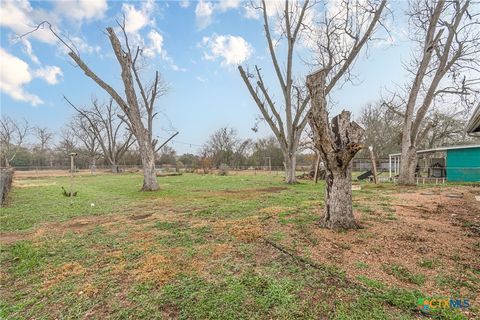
[
  {"x": 338, "y": 205},
  {"x": 290, "y": 163},
  {"x": 337, "y": 143}
]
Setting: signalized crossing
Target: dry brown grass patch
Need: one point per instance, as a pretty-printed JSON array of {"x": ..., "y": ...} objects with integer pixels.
[
  {"x": 89, "y": 290},
  {"x": 247, "y": 233},
  {"x": 221, "y": 249},
  {"x": 157, "y": 268},
  {"x": 63, "y": 272}
]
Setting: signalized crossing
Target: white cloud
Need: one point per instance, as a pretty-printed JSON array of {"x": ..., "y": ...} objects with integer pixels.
[
  {"x": 155, "y": 45},
  {"x": 203, "y": 13},
  {"x": 15, "y": 74},
  {"x": 82, "y": 9},
  {"x": 50, "y": 74},
  {"x": 20, "y": 16},
  {"x": 27, "y": 47},
  {"x": 225, "y": 5},
  {"x": 137, "y": 19},
  {"x": 184, "y": 3},
  {"x": 232, "y": 50},
  {"x": 205, "y": 10},
  {"x": 201, "y": 79},
  {"x": 176, "y": 68}
]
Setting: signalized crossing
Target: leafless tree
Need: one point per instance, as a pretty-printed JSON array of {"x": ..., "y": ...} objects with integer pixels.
[
  {"x": 87, "y": 135},
  {"x": 206, "y": 159},
  {"x": 441, "y": 128},
  {"x": 103, "y": 122},
  {"x": 12, "y": 138},
  {"x": 448, "y": 128},
  {"x": 138, "y": 103},
  {"x": 68, "y": 142},
  {"x": 382, "y": 129},
  {"x": 445, "y": 65},
  {"x": 222, "y": 145},
  {"x": 341, "y": 36},
  {"x": 44, "y": 137},
  {"x": 167, "y": 155},
  {"x": 286, "y": 117}
]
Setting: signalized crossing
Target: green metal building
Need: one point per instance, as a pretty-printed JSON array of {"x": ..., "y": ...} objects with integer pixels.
[
  {"x": 455, "y": 163},
  {"x": 463, "y": 164}
]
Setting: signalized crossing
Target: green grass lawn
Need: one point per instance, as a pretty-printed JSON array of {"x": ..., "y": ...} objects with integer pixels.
[{"x": 197, "y": 249}]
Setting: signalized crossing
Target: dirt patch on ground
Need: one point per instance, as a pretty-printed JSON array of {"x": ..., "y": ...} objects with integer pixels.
[
  {"x": 59, "y": 228},
  {"x": 20, "y": 184},
  {"x": 140, "y": 216},
  {"x": 421, "y": 239},
  {"x": 82, "y": 224},
  {"x": 32, "y": 174}
]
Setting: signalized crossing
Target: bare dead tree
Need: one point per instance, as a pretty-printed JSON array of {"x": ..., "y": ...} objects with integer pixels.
[
  {"x": 87, "y": 135},
  {"x": 68, "y": 142},
  {"x": 286, "y": 117},
  {"x": 446, "y": 64},
  {"x": 447, "y": 128},
  {"x": 109, "y": 130},
  {"x": 382, "y": 129},
  {"x": 341, "y": 37},
  {"x": 222, "y": 146},
  {"x": 138, "y": 103},
  {"x": 12, "y": 138},
  {"x": 44, "y": 137}
]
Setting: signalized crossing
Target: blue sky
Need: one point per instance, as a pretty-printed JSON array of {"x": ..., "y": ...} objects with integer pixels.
[{"x": 195, "y": 45}]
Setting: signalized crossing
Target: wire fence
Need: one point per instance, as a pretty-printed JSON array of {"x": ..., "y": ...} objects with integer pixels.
[{"x": 424, "y": 173}]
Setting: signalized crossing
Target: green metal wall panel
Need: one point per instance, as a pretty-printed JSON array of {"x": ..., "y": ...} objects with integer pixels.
[{"x": 463, "y": 164}]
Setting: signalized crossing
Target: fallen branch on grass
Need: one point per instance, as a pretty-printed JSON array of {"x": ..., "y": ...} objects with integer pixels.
[{"x": 294, "y": 256}]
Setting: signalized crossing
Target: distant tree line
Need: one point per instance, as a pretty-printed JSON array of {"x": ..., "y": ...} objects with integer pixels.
[{"x": 100, "y": 139}]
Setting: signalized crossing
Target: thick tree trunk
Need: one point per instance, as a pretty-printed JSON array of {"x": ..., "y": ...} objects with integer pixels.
[
  {"x": 290, "y": 163},
  {"x": 338, "y": 206},
  {"x": 94, "y": 166},
  {"x": 114, "y": 168},
  {"x": 408, "y": 163},
  {"x": 147, "y": 154}
]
